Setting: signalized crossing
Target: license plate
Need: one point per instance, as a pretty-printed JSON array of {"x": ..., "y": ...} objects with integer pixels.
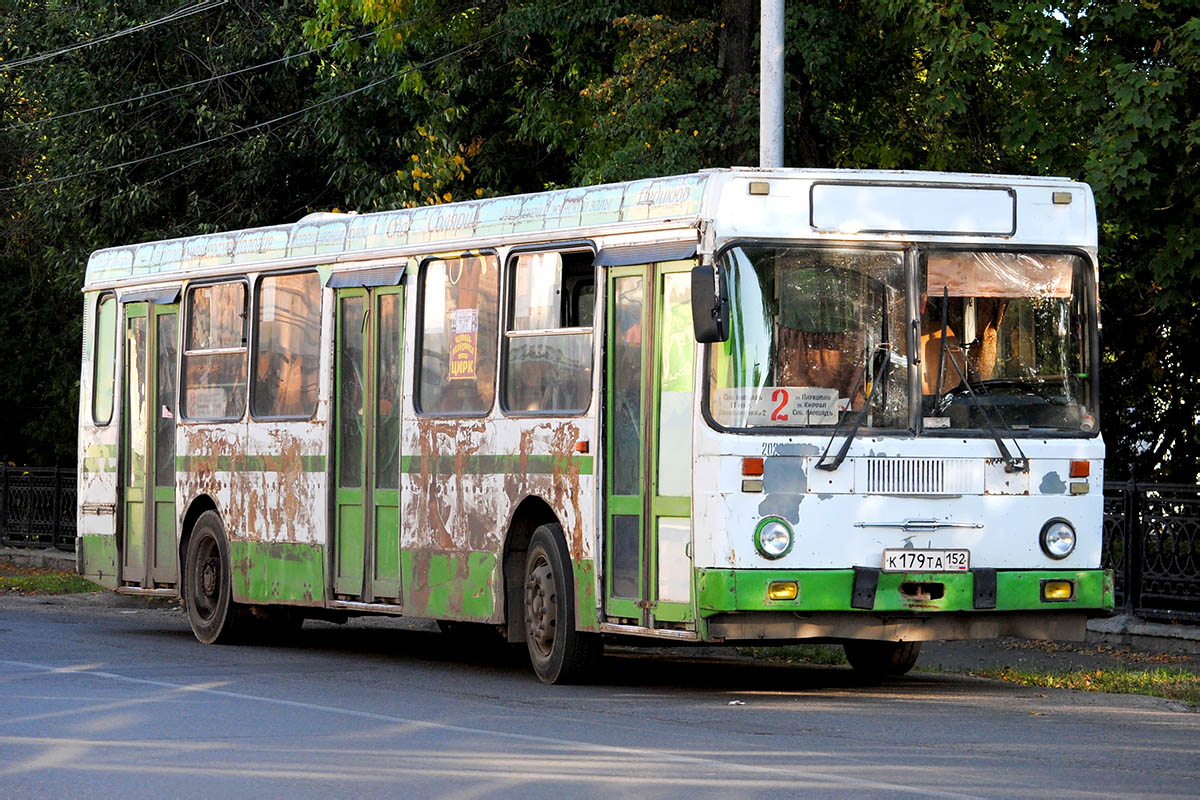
[{"x": 926, "y": 560}]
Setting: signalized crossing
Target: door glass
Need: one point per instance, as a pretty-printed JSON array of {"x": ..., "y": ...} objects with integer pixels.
[
  {"x": 626, "y": 544},
  {"x": 164, "y": 413},
  {"x": 350, "y": 394},
  {"x": 674, "y": 566},
  {"x": 677, "y": 356},
  {"x": 387, "y": 387},
  {"x": 106, "y": 337},
  {"x": 627, "y": 384},
  {"x": 135, "y": 361}
]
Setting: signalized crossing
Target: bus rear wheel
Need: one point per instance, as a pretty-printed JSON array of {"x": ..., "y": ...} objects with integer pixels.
[
  {"x": 876, "y": 660},
  {"x": 207, "y": 582},
  {"x": 558, "y": 652}
]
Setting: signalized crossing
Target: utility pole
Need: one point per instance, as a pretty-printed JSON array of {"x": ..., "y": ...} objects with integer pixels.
[{"x": 770, "y": 124}]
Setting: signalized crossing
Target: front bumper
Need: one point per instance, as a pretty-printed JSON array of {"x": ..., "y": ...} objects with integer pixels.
[{"x": 734, "y": 604}]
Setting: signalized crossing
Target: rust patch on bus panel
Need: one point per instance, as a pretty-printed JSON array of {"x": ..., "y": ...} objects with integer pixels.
[
  {"x": 262, "y": 497},
  {"x": 560, "y": 486},
  {"x": 204, "y": 448},
  {"x": 290, "y": 504},
  {"x": 452, "y": 511}
]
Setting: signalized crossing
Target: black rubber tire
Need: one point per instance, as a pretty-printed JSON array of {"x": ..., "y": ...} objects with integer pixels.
[
  {"x": 877, "y": 660},
  {"x": 558, "y": 652},
  {"x": 207, "y": 588}
]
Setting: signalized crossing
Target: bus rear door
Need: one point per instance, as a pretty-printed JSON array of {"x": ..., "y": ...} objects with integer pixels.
[{"x": 148, "y": 552}]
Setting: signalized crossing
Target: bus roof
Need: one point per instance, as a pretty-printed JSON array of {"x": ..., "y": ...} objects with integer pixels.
[{"x": 681, "y": 200}]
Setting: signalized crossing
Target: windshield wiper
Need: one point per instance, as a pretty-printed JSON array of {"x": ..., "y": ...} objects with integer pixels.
[
  {"x": 1011, "y": 463},
  {"x": 937, "y": 398},
  {"x": 880, "y": 377}
]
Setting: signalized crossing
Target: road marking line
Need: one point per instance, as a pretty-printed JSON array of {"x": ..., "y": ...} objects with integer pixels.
[{"x": 523, "y": 737}]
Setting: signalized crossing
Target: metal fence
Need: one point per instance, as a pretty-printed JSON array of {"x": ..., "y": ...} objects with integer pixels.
[
  {"x": 1151, "y": 535},
  {"x": 37, "y": 507},
  {"x": 1152, "y": 545}
]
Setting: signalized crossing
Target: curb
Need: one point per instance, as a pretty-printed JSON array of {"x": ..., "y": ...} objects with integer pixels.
[
  {"x": 1126, "y": 629},
  {"x": 47, "y": 558}
]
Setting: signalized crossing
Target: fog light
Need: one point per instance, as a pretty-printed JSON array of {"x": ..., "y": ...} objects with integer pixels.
[
  {"x": 773, "y": 537},
  {"x": 782, "y": 590},
  {"x": 1057, "y": 591},
  {"x": 1057, "y": 538}
]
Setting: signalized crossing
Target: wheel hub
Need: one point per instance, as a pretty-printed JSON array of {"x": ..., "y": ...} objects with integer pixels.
[
  {"x": 209, "y": 575},
  {"x": 540, "y": 607}
]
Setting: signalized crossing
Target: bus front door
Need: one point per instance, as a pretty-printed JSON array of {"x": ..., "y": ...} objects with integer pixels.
[
  {"x": 148, "y": 552},
  {"x": 366, "y": 551},
  {"x": 648, "y": 419}
]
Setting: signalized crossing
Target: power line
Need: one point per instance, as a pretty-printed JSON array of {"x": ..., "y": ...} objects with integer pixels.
[
  {"x": 180, "y": 87},
  {"x": 178, "y": 14},
  {"x": 202, "y": 81},
  {"x": 256, "y": 126}
]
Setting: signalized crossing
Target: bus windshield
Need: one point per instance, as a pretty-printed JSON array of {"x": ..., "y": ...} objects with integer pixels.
[
  {"x": 1016, "y": 336},
  {"x": 815, "y": 334}
]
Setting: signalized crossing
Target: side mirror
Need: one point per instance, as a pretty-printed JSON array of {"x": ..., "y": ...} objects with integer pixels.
[{"x": 710, "y": 304}]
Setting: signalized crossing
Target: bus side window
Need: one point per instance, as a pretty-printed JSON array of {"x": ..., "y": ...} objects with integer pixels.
[
  {"x": 105, "y": 338},
  {"x": 460, "y": 299},
  {"x": 287, "y": 345},
  {"x": 549, "y": 334},
  {"x": 214, "y": 361}
]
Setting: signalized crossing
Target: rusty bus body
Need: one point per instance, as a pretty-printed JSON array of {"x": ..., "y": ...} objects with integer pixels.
[{"x": 373, "y": 493}]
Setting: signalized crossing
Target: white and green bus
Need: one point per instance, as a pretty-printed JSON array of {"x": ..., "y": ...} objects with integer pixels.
[{"x": 743, "y": 405}]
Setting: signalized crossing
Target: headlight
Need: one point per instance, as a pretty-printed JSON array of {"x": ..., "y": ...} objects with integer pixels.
[
  {"x": 1058, "y": 538},
  {"x": 773, "y": 537}
]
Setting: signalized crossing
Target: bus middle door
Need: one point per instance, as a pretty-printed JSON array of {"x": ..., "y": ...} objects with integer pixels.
[{"x": 366, "y": 547}]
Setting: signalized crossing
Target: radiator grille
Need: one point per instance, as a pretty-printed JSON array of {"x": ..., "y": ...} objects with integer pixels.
[{"x": 907, "y": 476}]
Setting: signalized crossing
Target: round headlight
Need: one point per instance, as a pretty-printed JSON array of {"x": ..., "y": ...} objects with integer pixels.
[
  {"x": 1058, "y": 538},
  {"x": 773, "y": 537}
]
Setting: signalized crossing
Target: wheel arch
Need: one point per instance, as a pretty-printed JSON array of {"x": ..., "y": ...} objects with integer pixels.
[
  {"x": 529, "y": 514},
  {"x": 199, "y": 505}
]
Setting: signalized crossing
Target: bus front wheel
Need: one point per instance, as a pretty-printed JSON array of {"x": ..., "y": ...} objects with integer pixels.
[
  {"x": 875, "y": 660},
  {"x": 206, "y": 582},
  {"x": 558, "y": 652}
]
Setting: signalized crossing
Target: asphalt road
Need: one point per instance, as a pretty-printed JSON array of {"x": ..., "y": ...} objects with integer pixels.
[{"x": 123, "y": 702}]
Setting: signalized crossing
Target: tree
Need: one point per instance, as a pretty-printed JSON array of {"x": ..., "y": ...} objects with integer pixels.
[{"x": 68, "y": 204}]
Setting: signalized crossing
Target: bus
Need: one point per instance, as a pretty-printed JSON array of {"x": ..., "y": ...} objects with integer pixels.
[{"x": 737, "y": 406}]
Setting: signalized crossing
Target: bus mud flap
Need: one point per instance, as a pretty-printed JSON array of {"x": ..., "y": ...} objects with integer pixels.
[
  {"x": 866, "y": 581},
  {"x": 985, "y": 588}
]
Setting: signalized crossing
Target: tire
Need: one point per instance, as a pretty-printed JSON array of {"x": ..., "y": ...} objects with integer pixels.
[
  {"x": 213, "y": 615},
  {"x": 558, "y": 652},
  {"x": 877, "y": 660}
]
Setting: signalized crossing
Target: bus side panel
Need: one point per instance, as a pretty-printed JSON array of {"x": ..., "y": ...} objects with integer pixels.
[
  {"x": 462, "y": 482},
  {"x": 267, "y": 481},
  {"x": 96, "y": 508},
  {"x": 281, "y": 558}
]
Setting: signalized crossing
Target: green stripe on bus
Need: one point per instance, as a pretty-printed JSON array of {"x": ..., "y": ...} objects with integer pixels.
[
  {"x": 249, "y": 463},
  {"x": 830, "y": 590},
  {"x": 439, "y": 465},
  {"x": 495, "y": 464}
]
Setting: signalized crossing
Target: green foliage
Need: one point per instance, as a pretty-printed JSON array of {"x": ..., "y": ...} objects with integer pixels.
[
  {"x": 68, "y": 208},
  {"x": 1176, "y": 684},
  {"x": 414, "y": 102},
  {"x": 44, "y": 581},
  {"x": 825, "y": 655}
]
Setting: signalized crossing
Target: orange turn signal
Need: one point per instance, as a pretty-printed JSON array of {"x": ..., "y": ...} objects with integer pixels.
[
  {"x": 1081, "y": 469},
  {"x": 752, "y": 466}
]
